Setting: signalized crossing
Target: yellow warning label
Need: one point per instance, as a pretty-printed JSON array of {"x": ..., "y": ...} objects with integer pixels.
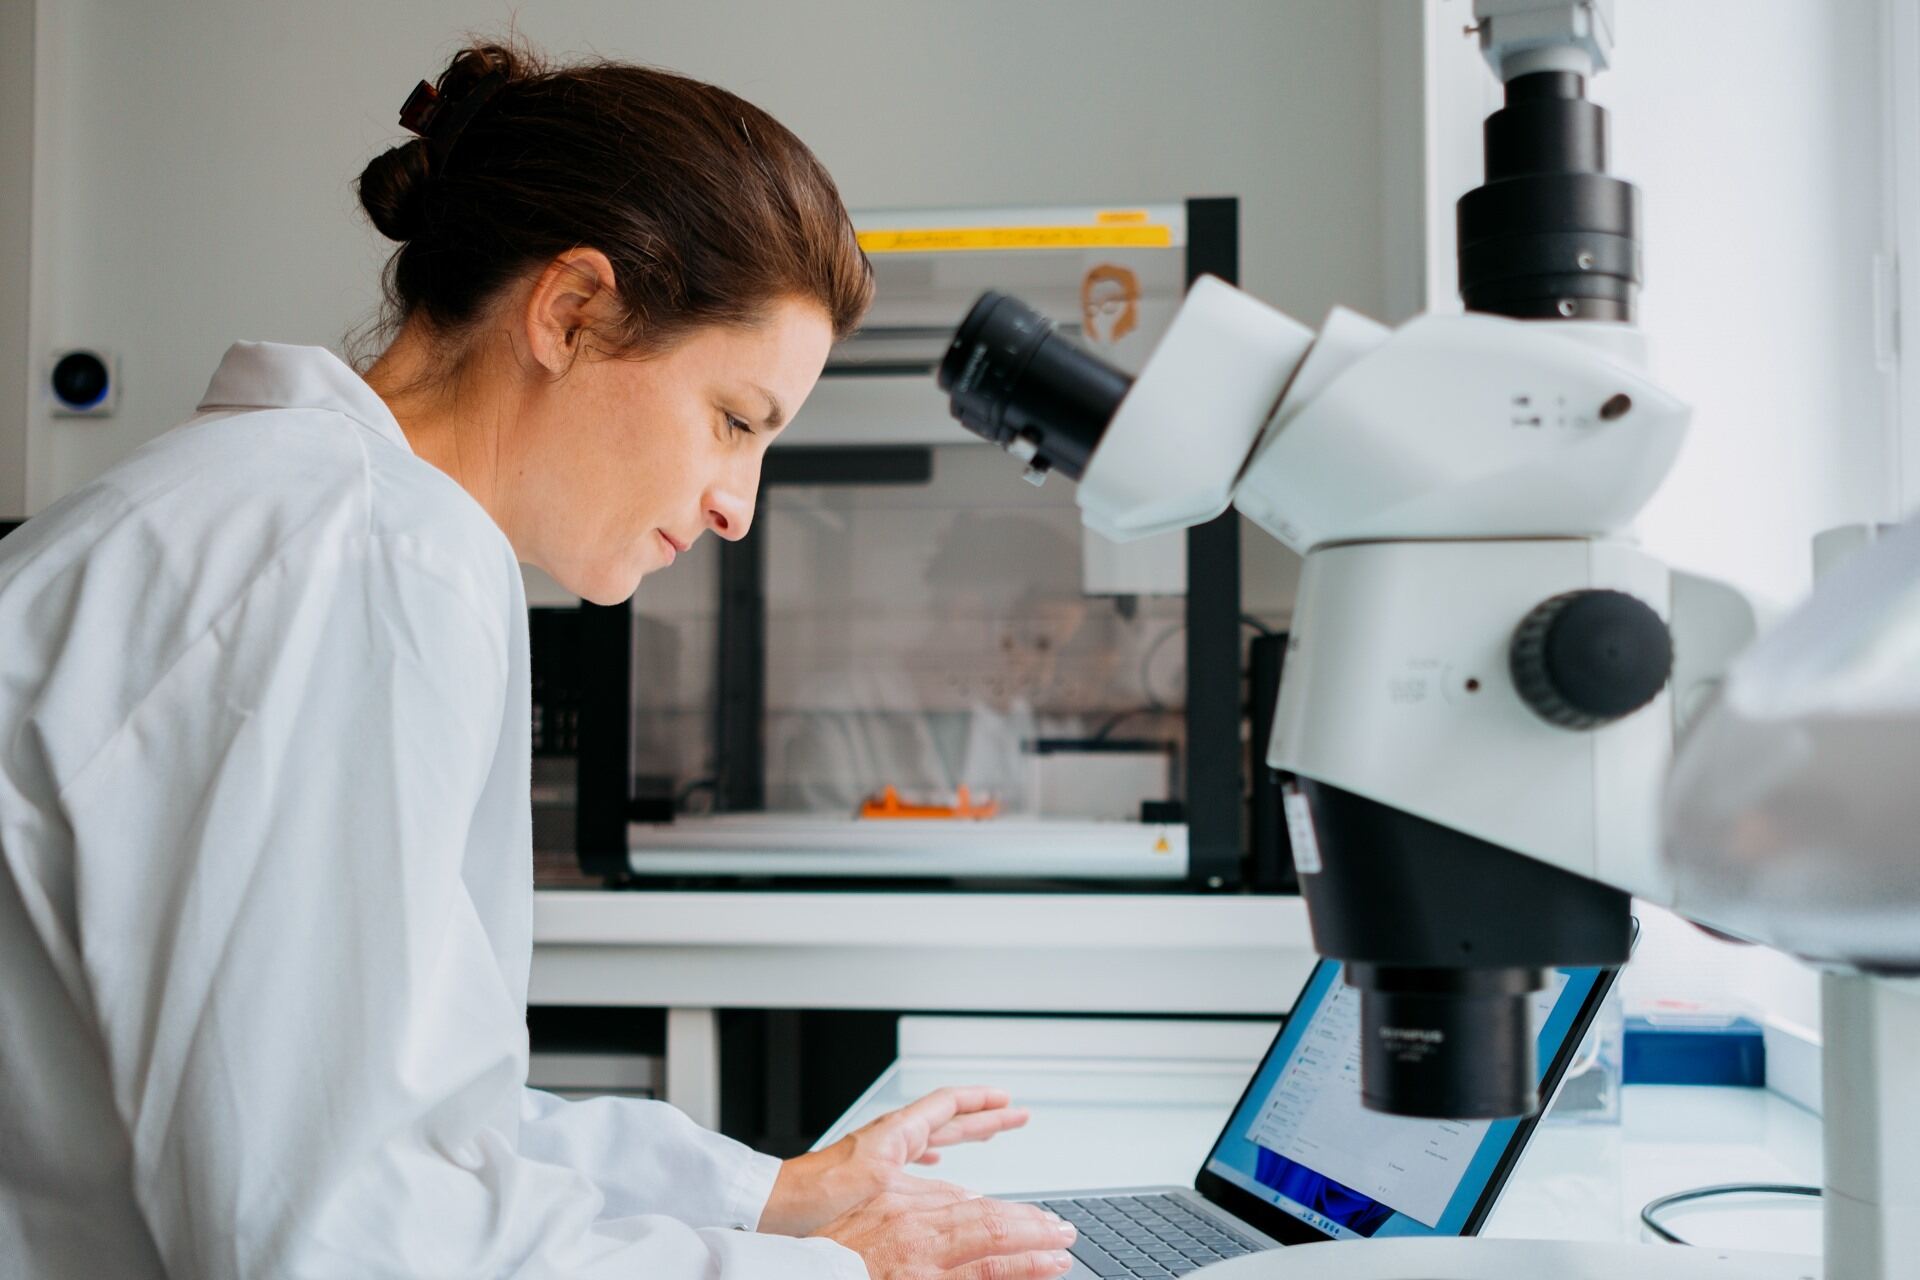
[
  {"x": 1161, "y": 846},
  {"x": 1110, "y": 217},
  {"x": 963, "y": 239}
]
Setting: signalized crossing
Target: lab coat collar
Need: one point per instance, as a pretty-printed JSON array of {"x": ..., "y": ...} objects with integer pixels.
[{"x": 274, "y": 375}]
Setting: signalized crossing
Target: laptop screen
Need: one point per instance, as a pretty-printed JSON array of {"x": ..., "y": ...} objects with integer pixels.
[{"x": 1301, "y": 1141}]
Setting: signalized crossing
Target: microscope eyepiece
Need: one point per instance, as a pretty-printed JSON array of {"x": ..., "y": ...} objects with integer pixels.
[
  {"x": 1448, "y": 1044},
  {"x": 1016, "y": 382}
]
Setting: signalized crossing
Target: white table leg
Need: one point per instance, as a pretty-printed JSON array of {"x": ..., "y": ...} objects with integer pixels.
[{"x": 693, "y": 1064}]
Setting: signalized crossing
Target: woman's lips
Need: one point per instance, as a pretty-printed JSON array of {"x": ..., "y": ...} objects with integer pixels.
[{"x": 673, "y": 548}]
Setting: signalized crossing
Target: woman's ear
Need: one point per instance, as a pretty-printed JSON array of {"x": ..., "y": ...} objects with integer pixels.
[{"x": 572, "y": 295}]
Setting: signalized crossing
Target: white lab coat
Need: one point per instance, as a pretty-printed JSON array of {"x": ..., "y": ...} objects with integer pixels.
[{"x": 266, "y": 888}]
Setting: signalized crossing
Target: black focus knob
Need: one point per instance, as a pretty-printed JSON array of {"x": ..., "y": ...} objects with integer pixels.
[{"x": 1587, "y": 658}]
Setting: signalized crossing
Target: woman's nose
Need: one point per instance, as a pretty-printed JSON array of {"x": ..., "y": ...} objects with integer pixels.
[{"x": 729, "y": 513}]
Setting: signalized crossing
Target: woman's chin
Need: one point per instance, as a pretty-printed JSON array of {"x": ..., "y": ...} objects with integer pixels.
[{"x": 604, "y": 584}]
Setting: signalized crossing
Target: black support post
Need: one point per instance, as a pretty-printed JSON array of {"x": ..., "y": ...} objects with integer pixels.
[
  {"x": 605, "y": 737},
  {"x": 1214, "y": 797},
  {"x": 739, "y": 740}
]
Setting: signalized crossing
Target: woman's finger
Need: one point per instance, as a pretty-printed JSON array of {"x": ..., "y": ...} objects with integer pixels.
[
  {"x": 985, "y": 1228},
  {"x": 1023, "y": 1266},
  {"x": 942, "y": 1105},
  {"x": 978, "y": 1127}
]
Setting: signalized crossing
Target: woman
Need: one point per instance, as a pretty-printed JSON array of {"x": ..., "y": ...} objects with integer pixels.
[{"x": 264, "y": 821}]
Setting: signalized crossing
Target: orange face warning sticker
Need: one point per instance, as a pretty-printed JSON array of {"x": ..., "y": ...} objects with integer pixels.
[
  {"x": 1109, "y": 303},
  {"x": 964, "y": 239}
]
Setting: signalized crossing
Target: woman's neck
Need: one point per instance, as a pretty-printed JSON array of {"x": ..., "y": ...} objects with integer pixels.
[{"x": 454, "y": 422}]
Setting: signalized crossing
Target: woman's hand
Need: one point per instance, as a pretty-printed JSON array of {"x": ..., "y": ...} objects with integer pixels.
[
  {"x": 942, "y": 1235},
  {"x": 822, "y": 1185}
]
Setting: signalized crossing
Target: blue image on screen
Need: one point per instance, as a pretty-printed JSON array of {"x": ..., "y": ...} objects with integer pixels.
[
  {"x": 1328, "y": 1204},
  {"x": 1320, "y": 1193}
]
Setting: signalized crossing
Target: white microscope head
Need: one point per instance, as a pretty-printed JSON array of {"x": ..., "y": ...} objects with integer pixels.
[{"x": 1470, "y": 426}]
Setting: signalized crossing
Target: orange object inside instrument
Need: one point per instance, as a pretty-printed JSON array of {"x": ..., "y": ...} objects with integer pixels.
[{"x": 888, "y": 804}]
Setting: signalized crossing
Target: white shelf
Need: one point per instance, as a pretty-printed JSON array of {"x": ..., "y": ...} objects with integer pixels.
[
  {"x": 1137, "y": 921},
  {"x": 1113, "y": 953}
]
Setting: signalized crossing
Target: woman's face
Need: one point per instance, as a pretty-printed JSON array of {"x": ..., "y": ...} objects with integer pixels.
[{"x": 621, "y": 464}]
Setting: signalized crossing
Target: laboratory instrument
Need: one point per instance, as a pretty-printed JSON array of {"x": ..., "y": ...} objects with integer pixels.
[
  {"x": 1486, "y": 676},
  {"x": 902, "y": 619}
]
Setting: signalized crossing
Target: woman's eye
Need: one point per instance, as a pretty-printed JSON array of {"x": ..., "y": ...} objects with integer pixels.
[{"x": 739, "y": 424}]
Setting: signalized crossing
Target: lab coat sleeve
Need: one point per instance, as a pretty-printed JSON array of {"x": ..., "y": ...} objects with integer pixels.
[
  {"x": 315, "y": 1048},
  {"x": 647, "y": 1157}
]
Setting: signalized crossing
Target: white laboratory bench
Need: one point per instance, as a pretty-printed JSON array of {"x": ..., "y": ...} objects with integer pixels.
[
  {"x": 695, "y": 953},
  {"x": 1109, "y": 1113}
]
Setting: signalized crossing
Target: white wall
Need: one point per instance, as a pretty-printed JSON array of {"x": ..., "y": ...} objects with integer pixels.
[
  {"x": 199, "y": 161},
  {"x": 16, "y": 224},
  {"x": 1900, "y": 70},
  {"x": 1764, "y": 226},
  {"x": 1753, "y": 130}
]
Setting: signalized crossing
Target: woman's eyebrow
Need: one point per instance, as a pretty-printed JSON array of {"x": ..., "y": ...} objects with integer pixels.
[{"x": 775, "y": 416}]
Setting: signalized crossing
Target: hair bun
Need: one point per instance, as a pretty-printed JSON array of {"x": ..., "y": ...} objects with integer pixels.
[
  {"x": 393, "y": 190},
  {"x": 393, "y": 185}
]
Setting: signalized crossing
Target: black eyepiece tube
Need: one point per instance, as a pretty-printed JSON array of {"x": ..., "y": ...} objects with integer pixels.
[
  {"x": 1016, "y": 382},
  {"x": 1549, "y": 235}
]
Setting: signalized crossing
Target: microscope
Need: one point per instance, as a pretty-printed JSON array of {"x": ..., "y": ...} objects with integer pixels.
[{"x": 1486, "y": 676}]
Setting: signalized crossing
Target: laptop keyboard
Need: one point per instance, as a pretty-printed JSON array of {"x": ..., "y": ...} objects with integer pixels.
[{"x": 1158, "y": 1235}]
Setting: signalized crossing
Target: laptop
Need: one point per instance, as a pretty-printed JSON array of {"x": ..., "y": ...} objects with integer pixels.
[{"x": 1301, "y": 1160}]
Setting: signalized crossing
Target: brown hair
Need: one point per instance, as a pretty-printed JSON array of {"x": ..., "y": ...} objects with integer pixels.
[{"x": 709, "y": 209}]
